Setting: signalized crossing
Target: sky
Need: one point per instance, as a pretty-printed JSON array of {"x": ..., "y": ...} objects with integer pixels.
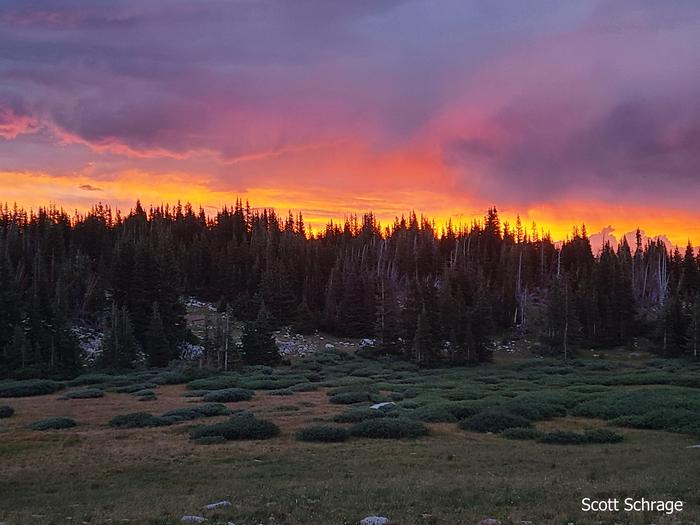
[{"x": 561, "y": 112}]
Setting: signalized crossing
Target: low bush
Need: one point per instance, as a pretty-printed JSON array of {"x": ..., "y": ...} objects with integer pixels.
[
  {"x": 53, "y": 423},
  {"x": 436, "y": 413},
  {"x": 140, "y": 420},
  {"x": 357, "y": 414},
  {"x": 135, "y": 387},
  {"x": 282, "y": 392},
  {"x": 86, "y": 393},
  {"x": 240, "y": 427},
  {"x": 678, "y": 420},
  {"x": 350, "y": 398},
  {"x": 29, "y": 387},
  {"x": 6, "y": 411},
  {"x": 389, "y": 428},
  {"x": 580, "y": 438},
  {"x": 304, "y": 387},
  {"x": 328, "y": 434},
  {"x": 521, "y": 433},
  {"x": 228, "y": 395},
  {"x": 219, "y": 382},
  {"x": 493, "y": 420}
]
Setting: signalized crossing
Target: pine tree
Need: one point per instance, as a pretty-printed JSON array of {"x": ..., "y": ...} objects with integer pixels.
[
  {"x": 119, "y": 347},
  {"x": 259, "y": 346},
  {"x": 158, "y": 348},
  {"x": 304, "y": 322}
]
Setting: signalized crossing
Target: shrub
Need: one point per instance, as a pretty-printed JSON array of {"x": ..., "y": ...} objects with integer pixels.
[
  {"x": 6, "y": 411},
  {"x": 183, "y": 414},
  {"x": 213, "y": 409},
  {"x": 328, "y": 434},
  {"x": 30, "y": 387},
  {"x": 678, "y": 420},
  {"x": 389, "y": 428},
  {"x": 350, "y": 398},
  {"x": 228, "y": 395},
  {"x": 282, "y": 392},
  {"x": 436, "y": 413},
  {"x": 87, "y": 393},
  {"x": 135, "y": 387},
  {"x": 493, "y": 421},
  {"x": 139, "y": 420},
  {"x": 53, "y": 423},
  {"x": 521, "y": 433},
  {"x": 580, "y": 438},
  {"x": 241, "y": 426},
  {"x": 219, "y": 382},
  {"x": 357, "y": 414},
  {"x": 304, "y": 387}
]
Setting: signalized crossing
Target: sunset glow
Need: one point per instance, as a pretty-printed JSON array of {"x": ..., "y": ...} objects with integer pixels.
[{"x": 562, "y": 113}]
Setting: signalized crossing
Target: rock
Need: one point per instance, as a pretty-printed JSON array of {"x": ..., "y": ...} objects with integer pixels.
[
  {"x": 374, "y": 520},
  {"x": 193, "y": 519},
  {"x": 218, "y": 505},
  {"x": 378, "y": 406},
  {"x": 329, "y": 346},
  {"x": 490, "y": 521},
  {"x": 694, "y": 446}
]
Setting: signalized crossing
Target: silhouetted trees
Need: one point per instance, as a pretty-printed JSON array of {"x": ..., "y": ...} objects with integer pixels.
[{"x": 433, "y": 297}]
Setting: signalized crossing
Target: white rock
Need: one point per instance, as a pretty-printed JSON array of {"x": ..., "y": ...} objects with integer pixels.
[
  {"x": 329, "y": 346},
  {"x": 374, "y": 520},
  {"x": 694, "y": 446},
  {"x": 218, "y": 505},
  {"x": 378, "y": 406},
  {"x": 193, "y": 519}
]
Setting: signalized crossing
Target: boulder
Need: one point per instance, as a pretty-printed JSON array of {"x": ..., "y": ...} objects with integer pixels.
[
  {"x": 374, "y": 520},
  {"x": 193, "y": 519},
  {"x": 379, "y": 406},
  {"x": 218, "y": 505}
]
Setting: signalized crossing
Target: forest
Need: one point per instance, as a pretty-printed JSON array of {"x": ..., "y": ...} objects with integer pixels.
[{"x": 434, "y": 297}]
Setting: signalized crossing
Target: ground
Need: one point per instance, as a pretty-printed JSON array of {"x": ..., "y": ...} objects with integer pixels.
[{"x": 93, "y": 473}]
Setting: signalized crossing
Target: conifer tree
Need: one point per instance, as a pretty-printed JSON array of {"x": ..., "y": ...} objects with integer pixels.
[
  {"x": 259, "y": 346},
  {"x": 158, "y": 348}
]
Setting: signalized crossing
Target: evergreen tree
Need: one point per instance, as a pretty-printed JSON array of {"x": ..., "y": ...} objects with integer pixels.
[
  {"x": 259, "y": 346},
  {"x": 158, "y": 349},
  {"x": 119, "y": 347}
]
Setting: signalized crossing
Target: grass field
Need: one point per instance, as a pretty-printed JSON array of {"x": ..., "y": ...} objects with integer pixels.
[{"x": 95, "y": 473}]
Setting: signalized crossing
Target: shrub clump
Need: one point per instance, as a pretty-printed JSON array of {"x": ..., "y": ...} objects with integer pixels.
[
  {"x": 323, "y": 433},
  {"x": 6, "y": 411},
  {"x": 53, "y": 423},
  {"x": 389, "y": 428},
  {"x": 228, "y": 395},
  {"x": 239, "y": 427},
  {"x": 580, "y": 438},
  {"x": 350, "y": 398},
  {"x": 357, "y": 414},
  {"x": 140, "y": 420},
  {"x": 86, "y": 393},
  {"x": 493, "y": 421},
  {"x": 30, "y": 387}
]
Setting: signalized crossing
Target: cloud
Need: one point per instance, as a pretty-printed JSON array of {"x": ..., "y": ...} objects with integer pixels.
[{"x": 89, "y": 187}]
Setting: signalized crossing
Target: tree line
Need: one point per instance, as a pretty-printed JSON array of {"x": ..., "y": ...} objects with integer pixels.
[{"x": 432, "y": 297}]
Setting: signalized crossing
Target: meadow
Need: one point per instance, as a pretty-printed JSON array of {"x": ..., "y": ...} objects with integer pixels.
[{"x": 520, "y": 440}]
